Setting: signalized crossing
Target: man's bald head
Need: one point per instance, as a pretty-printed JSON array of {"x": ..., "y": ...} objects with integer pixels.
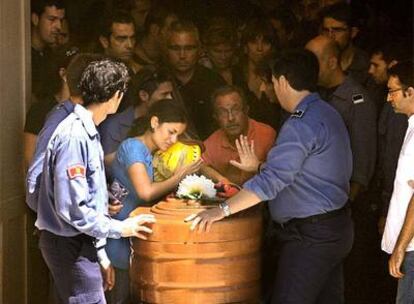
[
  {"x": 327, "y": 52},
  {"x": 323, "y": 47}
]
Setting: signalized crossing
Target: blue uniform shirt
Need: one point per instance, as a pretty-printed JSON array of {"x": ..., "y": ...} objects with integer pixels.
[
  {"x": 53, "y": 119},
  {"x": 115, "y": 129},
  {"x": 307, "y": 171},
  {"x": 130, "y": 151},
  {"x": 73, "y": 195}
]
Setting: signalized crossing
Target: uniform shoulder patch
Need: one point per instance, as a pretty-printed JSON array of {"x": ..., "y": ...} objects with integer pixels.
[
  {"x": 357, "y": 98},
  {"x": 76, "y": 171},
  {"x": 297, "y": 114}
]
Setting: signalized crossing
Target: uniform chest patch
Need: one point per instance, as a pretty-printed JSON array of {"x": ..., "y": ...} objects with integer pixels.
[
  {"x": 76, "y": 171},
  {"x": 297, "y": 114},
  {"x": 357, "y": 98}
]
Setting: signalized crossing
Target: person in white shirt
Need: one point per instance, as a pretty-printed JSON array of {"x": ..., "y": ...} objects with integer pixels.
[{"x": 399, "y": 228}]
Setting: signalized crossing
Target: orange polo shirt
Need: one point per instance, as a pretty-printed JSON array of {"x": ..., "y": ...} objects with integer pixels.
[{"x": 219, "y": 151}]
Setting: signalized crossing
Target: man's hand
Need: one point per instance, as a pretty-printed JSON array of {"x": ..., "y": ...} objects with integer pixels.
[
  {"x": 395, "y": 262},
  {"x": 134, "y": 226},
  {"x": 205, "y": 219},
  {"x": 248, "y": 159},
  {"x": 108, "y": 276},
  {"x": 114, "y": 207}
]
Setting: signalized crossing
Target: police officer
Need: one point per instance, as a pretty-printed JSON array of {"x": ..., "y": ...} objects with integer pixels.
[
  {"x": 358, "y": 111},
  {"x": 72, "y": 202},
  {"x": 352, "y": 101},
  {"x": 306, "y": 181}
]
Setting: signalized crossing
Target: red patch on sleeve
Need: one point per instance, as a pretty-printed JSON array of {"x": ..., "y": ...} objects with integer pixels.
[{"x": 76, "y": 171}]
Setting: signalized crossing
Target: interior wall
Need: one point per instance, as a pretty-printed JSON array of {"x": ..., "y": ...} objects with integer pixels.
[{"x": 14, "y": 76}]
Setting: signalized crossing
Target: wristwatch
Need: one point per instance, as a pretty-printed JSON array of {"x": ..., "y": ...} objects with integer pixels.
[{"x": 226, "y": 209}]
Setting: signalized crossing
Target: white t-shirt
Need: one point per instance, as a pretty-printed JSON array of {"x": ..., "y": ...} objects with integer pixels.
[{"x": 402, "y": 193}]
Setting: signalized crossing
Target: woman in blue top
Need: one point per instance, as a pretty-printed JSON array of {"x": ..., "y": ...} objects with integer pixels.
[{"x": 132, "y": 169}]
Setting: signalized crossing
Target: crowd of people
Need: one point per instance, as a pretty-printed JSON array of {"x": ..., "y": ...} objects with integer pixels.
[{"x": 304, "y": 104}]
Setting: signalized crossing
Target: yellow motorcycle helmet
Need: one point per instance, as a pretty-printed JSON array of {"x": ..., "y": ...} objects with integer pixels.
[{"x": 179, "y": 154}]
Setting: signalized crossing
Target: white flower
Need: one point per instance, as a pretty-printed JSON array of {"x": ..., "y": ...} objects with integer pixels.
[{"x": 196, "y": 187}]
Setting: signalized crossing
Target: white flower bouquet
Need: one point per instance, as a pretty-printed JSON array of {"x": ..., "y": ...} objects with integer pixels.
[{"x": 196, "y": 187}]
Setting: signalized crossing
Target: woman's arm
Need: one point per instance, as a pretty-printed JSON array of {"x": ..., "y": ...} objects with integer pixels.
[{"x": 149, "y": 190}]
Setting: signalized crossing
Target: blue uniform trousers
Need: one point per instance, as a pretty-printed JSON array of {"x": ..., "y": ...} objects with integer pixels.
[
  {"x": 309, "y": 269},
  {"x": 73, "y": 263}
]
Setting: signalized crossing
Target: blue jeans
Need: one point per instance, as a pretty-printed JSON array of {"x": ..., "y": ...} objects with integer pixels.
[
  {"x": 405, "y": 292},
  {"x": 120, "y": 293}
]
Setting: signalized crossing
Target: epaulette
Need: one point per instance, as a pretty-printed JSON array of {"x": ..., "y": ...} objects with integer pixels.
[
  {"x": 297, "y": 114},
  {"x": 357, "y": 98}
]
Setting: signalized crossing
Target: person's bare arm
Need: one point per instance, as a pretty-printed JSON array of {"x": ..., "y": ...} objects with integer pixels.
[
  {"x": 149, "y": 190},
  {"x": 243, "y": 200},
  {"x": 404, "y": 238}
]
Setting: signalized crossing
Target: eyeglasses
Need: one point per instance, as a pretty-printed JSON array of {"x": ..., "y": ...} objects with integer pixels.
[
  {"x": 392, "y": 92},
  {"x": 334, "y": 30},
  {"x": 224, "y": 113}
]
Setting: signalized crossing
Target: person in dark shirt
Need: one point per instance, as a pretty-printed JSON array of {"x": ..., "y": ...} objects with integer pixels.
[
  {"x": 358, "y": 111},
  {"x": 56, "y": 91},
  {"x": 46, "y": 23},
  {"x": 258, "y": 42},
  {"x": 220, "y": 42},
  {"x": 195, "y": 83},
  {"x": 148, "y": 49},
  {"x": 118, "y": 38},
  {"x": 339, "y": 23},
  {"x": 391, "y": 125}
]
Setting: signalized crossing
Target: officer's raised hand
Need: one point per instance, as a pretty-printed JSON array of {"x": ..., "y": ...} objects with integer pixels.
[
  {"x": 135, "y": 226},
  {"x": 248, "y": 159},
  {"x": 205, "y": 219}
]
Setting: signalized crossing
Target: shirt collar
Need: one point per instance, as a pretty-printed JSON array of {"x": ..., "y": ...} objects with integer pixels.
[
  {"x": 411, "y": 121},
  {"x": 86, "y": 118},
  {"x": 304, "y": 103}
]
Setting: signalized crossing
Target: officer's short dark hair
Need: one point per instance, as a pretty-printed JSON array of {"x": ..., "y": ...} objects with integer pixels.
[
  {"x": 300, "y": 67},
  {"x": 404, "y": 70},
  {"x": 102, "y": 79},
  {"x": 226, "y": 90},
  {"x": 147, "y": 79},
  {"x": 38, "y": 6},
  {"x": 75, "y": 69},
  {"x": 118, "y": 16},
  {"x": 390, "y": 50},
  {"x": 341, "y": 12}
]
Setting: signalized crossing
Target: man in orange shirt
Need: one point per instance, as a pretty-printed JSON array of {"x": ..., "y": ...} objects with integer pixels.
[{"x": 231, "y": 114}]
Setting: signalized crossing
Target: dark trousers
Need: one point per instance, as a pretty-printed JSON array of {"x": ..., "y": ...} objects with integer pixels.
[
  {"x": 309, "y": 269},
  {"x": 74, "y": 266}
]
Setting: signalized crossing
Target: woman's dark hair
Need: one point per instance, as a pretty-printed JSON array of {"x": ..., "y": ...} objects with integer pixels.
[{"x": 166, "y": 110}]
